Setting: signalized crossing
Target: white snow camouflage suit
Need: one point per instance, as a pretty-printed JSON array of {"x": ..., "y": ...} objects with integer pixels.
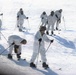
[
  {"x": 16, "y": 39},
  {"x": 20, "y": 20},
  {"x": 39, "y": 48},
  {"x": 58, "y": 14},
  {"x": 51, "y": 22},
  {"x": 43, "y": 19}
]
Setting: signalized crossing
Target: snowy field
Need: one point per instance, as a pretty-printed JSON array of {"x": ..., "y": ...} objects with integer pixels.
[{"x": 61, "y": 56}]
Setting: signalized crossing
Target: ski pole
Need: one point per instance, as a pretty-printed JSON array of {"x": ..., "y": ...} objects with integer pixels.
[
  {"x": 5, "y": 49},
  {"x": 47, "y": 48},
  {"x": 38, "y": 54},
  {"x": 39, "y": 24},
  {"x": 64, "y": 23},
  {"x": 28, "y": 23},
  {"x": 0, "y": 33},
  {"x": 3, "y": 36},
  {"x": 16, "y": 25}
]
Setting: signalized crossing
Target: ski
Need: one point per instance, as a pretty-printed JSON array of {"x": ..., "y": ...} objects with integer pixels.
[
  {"x": 22, "y": 31},
  {"x": 18, "y": 59},
  {"x": 52, "y": 35},
  {"x": 57, "y": 30},
  {"x": 38, "y": 68},
  {"x": 33, "y": 67},
  {"x": 60, "y": 69},
  {"x": 21, "y": 59},
  {"x": 46, "y": 68},
  {"x": 23, "y": 27}
]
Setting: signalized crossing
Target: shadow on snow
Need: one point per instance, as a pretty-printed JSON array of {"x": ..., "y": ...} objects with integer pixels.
[
  {"x": 47, "y": 72},
  {"x": 28, "y": 33},
  {"x": 24, "y": 63},
  {"x": 64, "y": 42},
  {"x": 3, "y": 51}
]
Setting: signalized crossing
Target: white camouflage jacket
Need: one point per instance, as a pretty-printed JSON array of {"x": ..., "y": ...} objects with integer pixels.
[
  {"x": 16, "y": 39},
  {"x": 36, "y": 42}
]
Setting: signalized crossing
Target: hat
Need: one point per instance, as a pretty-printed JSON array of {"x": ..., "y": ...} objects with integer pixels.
[
  {"x": 44, "y": 12},
  {"x": 23, "y": 41},
  {"x": 52, "y": 13},
  {"x": 42, "y": 28},
  {"x": 60, "y": 10},
  {"x": 20, "y": 8}
]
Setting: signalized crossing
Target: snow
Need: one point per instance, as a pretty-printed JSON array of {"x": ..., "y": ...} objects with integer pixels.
[{"x": 61, "y": 55}]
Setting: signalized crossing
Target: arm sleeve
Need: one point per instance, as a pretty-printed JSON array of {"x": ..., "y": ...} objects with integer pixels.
[
  {"x": 10, "y": 40},
  {"x": 37, "y": 36},
  {"x": 24, "y": 16},
  {"x": 46, "y": 38},
  {"x": 18, "y": 15}
]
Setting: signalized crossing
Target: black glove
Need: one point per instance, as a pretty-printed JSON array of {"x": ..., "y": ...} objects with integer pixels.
[
  {"x": 26, "y": 17},
  {"x": 40, "y": 40},
  {"x": 13, "y": 43},
  {"x": 1, "y": 14},
  {"x": 51, "y": 41},
  {"x": 17, "y": 17},
  {"x": 42, "y": 17}
]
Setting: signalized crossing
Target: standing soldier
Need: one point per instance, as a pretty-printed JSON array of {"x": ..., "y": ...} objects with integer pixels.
[
  {"x": 51, "y": 23},
  {"x": 1, "y": 20},
  {"x": 39, "y": 39},
  {"x": 15, "y": 43},
  {"x": 20, "y": 19},
  {"x": 0, "y": 27},
  {"x": 0, "y": 23},
  {"x": 43, "y": 19},
  {"x": 58, "y": 15}
]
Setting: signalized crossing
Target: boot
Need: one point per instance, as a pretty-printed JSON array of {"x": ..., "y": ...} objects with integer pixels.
[
  {"x": 32, "y": 65},
  {"x": 18, "y": 26},
  {"x": 47, "y": 32},
  {"x": 20, "y": 29},
  {"x": 18, "y": 56},
  {"x": 45, "y": 65},
  {"x": 9, "y": 56},
  {"x": 23, "y": 27},
  {"x": 56, "y": 28},
  {"x": 52, "y": 32}
]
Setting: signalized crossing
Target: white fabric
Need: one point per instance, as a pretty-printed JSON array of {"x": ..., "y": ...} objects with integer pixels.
[
  {"x": 59, "y": 17},
  {"x": 0, "y": 23},
  {"x": 39, "y": 48},
  {"x": 20, "y": 21},
  {"x": 44, "y": 20},
  {"x": 58, "y": 13},
  {"x": 16, "y": 39},
  {"x": 51, "y": 22}
]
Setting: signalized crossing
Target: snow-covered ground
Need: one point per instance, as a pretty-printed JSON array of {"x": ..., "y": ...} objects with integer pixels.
[{"x": 61, "y": 56}]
